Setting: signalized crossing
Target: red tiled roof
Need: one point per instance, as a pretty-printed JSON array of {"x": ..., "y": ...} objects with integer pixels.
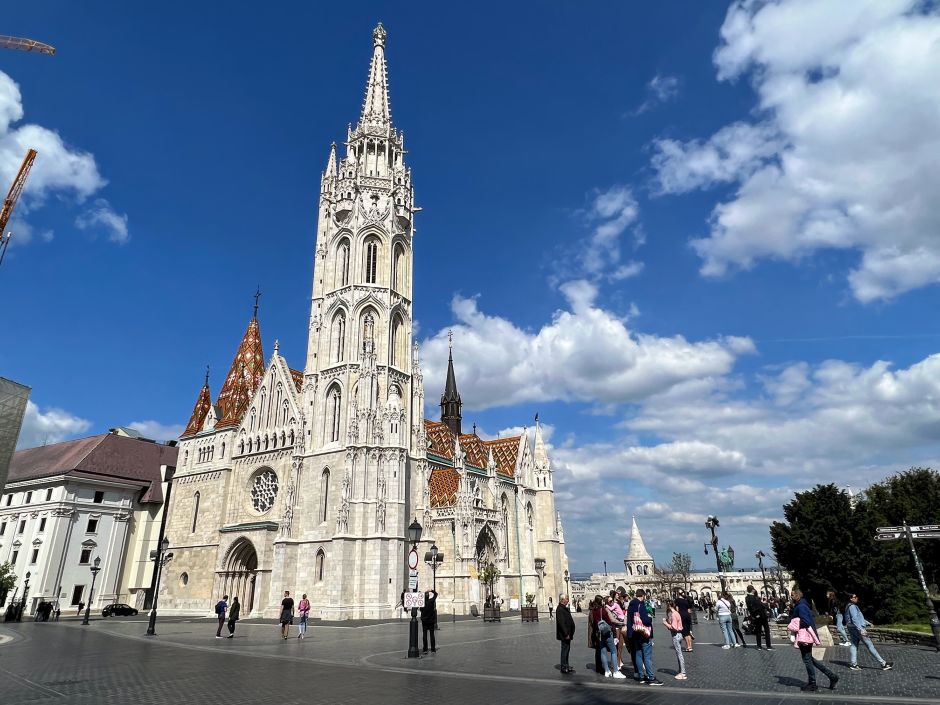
[
  {"x": 203, "y": 404},
  {"x": 473, "y": 446},
  {"x": 108, "y": 455},
  {"x": 505, "y": 451},
  {"x": 298, "y": 378},
  {"x": 444, "y": 485},
  {"x": 441, "y": 441},
  {"x": 243, "y": 378}
]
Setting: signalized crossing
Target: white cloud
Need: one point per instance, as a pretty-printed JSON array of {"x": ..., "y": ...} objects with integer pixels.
[
  {"x": 585, "y": 353},
  {"x": 102, "y": 215},
  {"x": 661, "y": 89},
  {"x": 49, "y": 426},
  {"x": 611, "y": 212},
  {"x": 157, "y": 431},
  {"x": 845, "y": 151}
]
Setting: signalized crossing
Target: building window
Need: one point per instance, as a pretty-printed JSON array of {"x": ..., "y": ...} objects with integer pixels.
[
  {"x": 195, "y": 511},
  {"x": 9, "y": 499},
  {"x": 99, "y": 497},
  {"x": 321, "y": 559},
  {"x": 77, "y": 592},
  {"x": 372, "y": 259},
  {"x": 324, "y": 493},
  {"x": 398, "y": 269},
  {"x": 29, "y": 497},
  {"x": 14, "y": 557},
  {"x": 92, "y": 526},
  {"x": 339, "y": 337},
  {"x": 34, "y": 557},
  {"x": 344, "y": 263},
  {"x": 334, "y": 401},
  {"x": 3, "y": 528},
  {"x": 49, "y": 495},
  {"x": 22, "y": 526},
  {"x": 85, "y": 558},
  {"x": 264, "y": 491},
  {"x": 42, "y": 524},
  {"x": 184, "y": 579}
]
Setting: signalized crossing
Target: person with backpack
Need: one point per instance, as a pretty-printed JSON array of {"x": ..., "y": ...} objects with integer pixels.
[
  {"x": 303, "y": 609},
  {"x": 604, "y": 639},
  {"x": 234, "y": 614},
  {"x": 287, "y": 614},
  {"x": 803, "y": 626},
  {"x": 640, "y": 633},
  {"x": 758, "y": 610},
  {"x": 221, "y": 607},
  {"x": 856, "y": 623},
  {"x": 835, "y": 611}
]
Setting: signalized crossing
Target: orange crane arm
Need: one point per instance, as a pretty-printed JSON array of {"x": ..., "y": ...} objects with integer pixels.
[
  {"x": 26, "y": 45},
  {"x": 15, "y": 190}
]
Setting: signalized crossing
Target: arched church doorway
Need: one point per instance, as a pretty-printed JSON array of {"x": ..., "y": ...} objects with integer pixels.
[
  {"x": 486, "y": 553},
  {"x": 238, "y": 575}
]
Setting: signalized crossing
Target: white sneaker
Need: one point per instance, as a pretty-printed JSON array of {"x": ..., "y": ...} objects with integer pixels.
[
  {"x": 607, "y": 674},
  {"x": 737, "y": 646},
  {"x": 725, "y": 647},
  {"x": 618, "y": 674},
  {"x": 846, "y": 643}
]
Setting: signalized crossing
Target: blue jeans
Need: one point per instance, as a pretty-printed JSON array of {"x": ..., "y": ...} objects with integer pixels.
[
  {"x": 724, "y": 621},
  {"x": 840, "y": 627},
  {"x": 606, "y": 640},
  {"x": 644, "y": 658},
  {"x": 854, "y": 637}
]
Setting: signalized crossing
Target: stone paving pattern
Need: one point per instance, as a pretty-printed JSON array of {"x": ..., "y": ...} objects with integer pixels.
[{"x": 110, "y": 661}]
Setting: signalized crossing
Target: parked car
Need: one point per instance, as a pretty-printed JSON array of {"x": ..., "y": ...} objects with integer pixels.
[{"x": 118, "y": 609}]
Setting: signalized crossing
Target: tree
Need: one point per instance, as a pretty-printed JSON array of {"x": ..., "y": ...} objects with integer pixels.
[
  {"x": 488, "y": 576},
  {"x": 7, "y": 580},
  {"x": 681, "y": 565}
]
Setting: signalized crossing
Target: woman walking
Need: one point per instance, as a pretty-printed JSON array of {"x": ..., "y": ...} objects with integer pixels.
[
  {"x": 234, "y": 612},
  {"x": 724, "y": 620},
  {"x": 736, "y": 625},
  {"x": 303, "y": 610},
  {"x": 836, "y": 610},
  {"x": 673, "y": 622},
  {"x": 803, "y": 626}
]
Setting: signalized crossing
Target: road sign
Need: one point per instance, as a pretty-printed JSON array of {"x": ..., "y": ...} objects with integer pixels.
[
  {"x": 925, "y": 534},
  {"x": 413, "y": 559},
  {"x": 925, "y": 527},
  {"x": 889, "y": 536},
  {"x": 413, "y": 600},
  {"x": 889, "y": 529}
]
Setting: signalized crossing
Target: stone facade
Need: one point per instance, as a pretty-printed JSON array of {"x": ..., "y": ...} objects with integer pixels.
[{"x": 307, "y": 481}]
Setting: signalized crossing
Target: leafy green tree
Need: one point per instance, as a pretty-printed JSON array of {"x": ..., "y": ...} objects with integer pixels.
[{"x": 7, "y": 580}]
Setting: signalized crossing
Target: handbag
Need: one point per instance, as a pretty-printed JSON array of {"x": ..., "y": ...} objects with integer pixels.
[{"x": 639, "y": 627}]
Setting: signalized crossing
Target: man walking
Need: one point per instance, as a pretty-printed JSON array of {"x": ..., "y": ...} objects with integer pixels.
[
  {"x": 856, "y": 623},
  {"x": 759, "y": 617},
  {"x": 221, "y": 607},
  {"x": 640, "y": 634},
  {"x": 287, "y": 614},
  {"x": 564, "y": 632},
  {"x": 429, "y": 619},
  {"x": 233, "y": 615}
]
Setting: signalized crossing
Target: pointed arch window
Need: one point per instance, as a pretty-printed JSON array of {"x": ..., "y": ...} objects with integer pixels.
[
  {"x": 334, "y": 403},
  {"x": 397, "y": 335},
  {"x": 398, "y": 269},
  {"x": 339, "y": 337},
  {"x": 372, "y": 260},
  {"x": 321, "y": 560},
  {"x": 324, "y": 493},
  {"x": 343, "y": 264},
  {"x": 195, "y": 512}
]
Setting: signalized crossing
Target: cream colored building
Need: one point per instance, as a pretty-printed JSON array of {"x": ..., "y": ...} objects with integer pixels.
[{"x": 307, "y": 480}]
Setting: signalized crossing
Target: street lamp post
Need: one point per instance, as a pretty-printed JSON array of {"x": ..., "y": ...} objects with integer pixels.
[
  {"x": 711, "y": 524},
  {"x": 414, "y": 535},
  {"x": 19, "y": 616},
  {"x": 434, "y": 551},
  {"x": 760, "y": 561},
  {"x": 91, "y": 593},
  {"x": 161, "y": 558},
  {"x": 567, "y": 579}
]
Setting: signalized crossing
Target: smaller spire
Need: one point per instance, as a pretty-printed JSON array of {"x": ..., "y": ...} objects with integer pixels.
[
  {"x": 277, "y": 346},
  {"x": 207, "y": 376},
  {"x": 201, "y": 408},
  {"x": 330, "y": 172}
]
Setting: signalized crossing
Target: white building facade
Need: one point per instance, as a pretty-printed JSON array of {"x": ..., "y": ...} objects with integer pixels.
[
  {"x": 307, "y": 480},
  {"x": 68, "y": 503}
]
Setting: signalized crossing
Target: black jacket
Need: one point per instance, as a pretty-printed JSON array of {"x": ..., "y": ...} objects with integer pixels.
[
  {"x": 233, "y": 611},
  {"x": 564, "y": 624},
  {"x": 429, "y": 611},
  {"x": 755, "y": 606}
]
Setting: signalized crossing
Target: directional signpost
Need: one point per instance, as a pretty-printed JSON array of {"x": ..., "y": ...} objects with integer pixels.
[{"x": 926, "y": 531}]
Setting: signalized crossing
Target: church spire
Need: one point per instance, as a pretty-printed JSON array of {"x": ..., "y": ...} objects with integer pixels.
[
  {"x": 244, "y": 375},
  {"x": 540, "y": 455},
  {"x": 450, "y": 399},
  {"x": 376, "y": 113},
  {"x": 637, "y": 550},
  {"x": 203, "y": 404}
]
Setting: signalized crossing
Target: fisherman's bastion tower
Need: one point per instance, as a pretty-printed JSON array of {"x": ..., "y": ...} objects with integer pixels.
[{"x": 307, "y": 481}]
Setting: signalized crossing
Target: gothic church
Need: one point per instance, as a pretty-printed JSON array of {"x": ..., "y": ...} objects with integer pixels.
[{"x": 307, "y": 481}]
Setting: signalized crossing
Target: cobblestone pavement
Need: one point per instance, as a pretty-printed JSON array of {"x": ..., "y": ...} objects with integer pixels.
[{"x": 111, "y": 661}]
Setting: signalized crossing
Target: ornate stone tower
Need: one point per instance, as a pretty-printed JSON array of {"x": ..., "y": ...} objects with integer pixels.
[
  {"x": 358, "y": 395},
  {"x": 638, "y": 560}
]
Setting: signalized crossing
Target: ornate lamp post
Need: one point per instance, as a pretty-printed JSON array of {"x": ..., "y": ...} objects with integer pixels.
[
  {"x": 91, "y": 593},
  {"x": 567, "y": 579},
  {"x": 19, "y": 616},
  {"x": 760, "y": 555},
  {"x": 711, "y": 524},
  {"x": 434, "y": 552},
  {"x": 160, "y": 558},
  {"x": 414, "y": 535}
]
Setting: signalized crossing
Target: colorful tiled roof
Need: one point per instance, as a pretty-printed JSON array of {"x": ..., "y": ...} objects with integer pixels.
[
  {"x": 440, "y": 439},
  {"x": 243, "y": 378},
  {"x": 441, "y": 444},
  {"x": 444, "y": 485},
  {"x": 505, "y": 451},
  {"x": 472, "y": 445},
  {"x": 203, "y": 404},
  {"x": 298, "y": 378}
]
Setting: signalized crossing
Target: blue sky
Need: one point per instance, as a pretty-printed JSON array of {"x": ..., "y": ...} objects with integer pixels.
[{"x": 699, "y": 239}]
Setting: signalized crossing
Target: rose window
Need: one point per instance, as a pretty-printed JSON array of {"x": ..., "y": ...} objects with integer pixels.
[{"x": 263, "y": 491}]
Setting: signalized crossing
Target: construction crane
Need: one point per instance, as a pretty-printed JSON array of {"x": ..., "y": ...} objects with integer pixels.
[
  {"x": 26, "y": 45},
  {"x": 10, "y": 201}
]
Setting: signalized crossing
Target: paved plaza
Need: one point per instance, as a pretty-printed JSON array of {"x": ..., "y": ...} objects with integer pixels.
[{"x": 111, "y": 661}]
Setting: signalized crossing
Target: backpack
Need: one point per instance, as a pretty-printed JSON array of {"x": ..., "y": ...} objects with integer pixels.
[{"x": 220, "y": 607}]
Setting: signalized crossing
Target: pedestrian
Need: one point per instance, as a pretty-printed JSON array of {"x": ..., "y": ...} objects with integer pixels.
[
  {"x": 835, "y": 611},
  {"x": 564, "y": 631},
  {"x": 551, "y": 610},
  {"x": 221, "y": 607},
  {"x": 58, "y": 611},
  {"x": 685, "y": 608},
  {"x": 594, "y": 637},
  {"x": 758, "y": 610},
  {"x": 673, "y": 622},
  {"x": 234, "y": 613},
  {"x": 736, "y": 624},
  {"x": 287, "y": 614},
  {"x": 856, "y": 623},
  {"x": 578, "y": 606},
  {"x": 429, "y": 619},
  {"x": 616, "y": 620},
  {"x": 724, "y": 620},
  {"x": 81, "y": 606},
  {"x": 303, "y": 609},
  {"x": 640, "y": 633},
  {"x": 803, "y": 626},
  {"x": 605, "y": 639}
]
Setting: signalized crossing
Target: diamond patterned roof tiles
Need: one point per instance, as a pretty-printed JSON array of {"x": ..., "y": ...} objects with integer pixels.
[{"x": 243, "y": 378}]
